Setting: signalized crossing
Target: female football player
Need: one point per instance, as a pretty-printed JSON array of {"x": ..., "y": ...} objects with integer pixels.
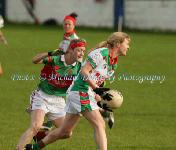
[
  {"x": 48, "y": 100},
  {"x": 99, "y": 66}
]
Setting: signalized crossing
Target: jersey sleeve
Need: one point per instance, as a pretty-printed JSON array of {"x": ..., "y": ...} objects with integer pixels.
[
  {"x": 55, "y": 52},
  {"x": 95, "y": 58},
  {"x": 50, "y": 60},
  {"x": 115, "y": 66}
]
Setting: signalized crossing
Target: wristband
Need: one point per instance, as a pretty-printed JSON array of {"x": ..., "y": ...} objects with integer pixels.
[{"x": 50, "y": 53}]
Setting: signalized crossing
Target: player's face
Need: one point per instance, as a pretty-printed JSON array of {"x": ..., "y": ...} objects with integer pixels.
[
  {"x": 79, "y": 53},
  {"x": 68, "y": 26},
  {"x": 123, "y": 48}
]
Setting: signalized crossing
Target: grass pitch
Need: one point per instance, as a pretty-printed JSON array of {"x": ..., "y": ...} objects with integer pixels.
[{"x": 146, "y": 119}]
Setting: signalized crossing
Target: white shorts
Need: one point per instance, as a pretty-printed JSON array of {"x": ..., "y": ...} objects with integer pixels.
[
  {"x": 76, "y": 104},
  {"x": 52, "y": 105}
]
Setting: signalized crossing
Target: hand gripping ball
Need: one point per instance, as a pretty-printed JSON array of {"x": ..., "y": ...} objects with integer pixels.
[{"x": 117, "y": 99}]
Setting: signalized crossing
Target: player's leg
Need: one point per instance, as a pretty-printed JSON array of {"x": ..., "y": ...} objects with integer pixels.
[
  {"x": 47, "y": 127},
  {"x": 1, "y": 70},
  {"x": 37, "y": 112},
  {"x": 30, "y": 8},
  {"x": 57, "y": 122},
  {"x": 37, "y": 118},
  {"x": 2, "y": 38},
  {"x": 65, "y": 131},
  {"x": 96, "y": 120},
  {"x": 71, "y": 118},
  {"x": 57, "y": 111},
  {"x": 55, "y": 115},
  {"x": 44, "y": 130}
]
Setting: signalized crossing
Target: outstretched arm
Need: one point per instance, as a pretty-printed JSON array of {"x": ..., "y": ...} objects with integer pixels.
[{"x": 38, "y": 59}]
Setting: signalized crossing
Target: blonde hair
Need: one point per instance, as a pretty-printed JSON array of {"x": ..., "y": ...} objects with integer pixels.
[{"x": 114, "y": 39}]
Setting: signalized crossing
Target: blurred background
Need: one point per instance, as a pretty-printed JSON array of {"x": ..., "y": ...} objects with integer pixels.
[
  {"x": 146, "y": 76},
  {"x": 133, "y": 14}
]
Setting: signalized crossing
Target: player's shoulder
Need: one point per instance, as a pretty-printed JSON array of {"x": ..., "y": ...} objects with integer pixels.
[
  {"x": 74, "y": 36},
  {"x": 56, "y": 58},
  {"x": 103, "y": 51}
]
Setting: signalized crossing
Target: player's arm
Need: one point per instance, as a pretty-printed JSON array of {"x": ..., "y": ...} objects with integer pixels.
[
  {"x": 1, "y": 71},
  {"x": 91, "y": 63},
  {"x": 2, "y": 38},
  {"x": 85, "y": 73},
  {"x": 38, "y": 59},
  {"x": 100, "y": 92},
  {"x": 54, "y": 52}
]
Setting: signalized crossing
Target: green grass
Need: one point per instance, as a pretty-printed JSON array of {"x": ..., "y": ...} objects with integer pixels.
[{"x": 146, "y": 119}]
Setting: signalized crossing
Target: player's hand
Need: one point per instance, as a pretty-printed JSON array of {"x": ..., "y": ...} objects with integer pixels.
[
  {"x": 104, "y": 106},
  {"x": 102, "y": 84},
  {"x": 103, "y": 93},
  {"x": 107, "y": 96},
  {"x": 100, "y": 91}
]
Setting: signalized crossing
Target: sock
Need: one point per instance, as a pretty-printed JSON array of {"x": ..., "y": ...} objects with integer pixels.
[{"x": 41, "y": 144}]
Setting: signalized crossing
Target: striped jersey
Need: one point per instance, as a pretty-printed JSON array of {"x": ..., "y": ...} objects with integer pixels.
[
  {"x": 102, "y": 70},
  {"x": 59, "y": 77}
]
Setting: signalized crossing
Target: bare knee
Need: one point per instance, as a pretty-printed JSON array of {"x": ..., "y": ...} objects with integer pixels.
[
  {"x": 99, "y": 124},
  {"x": 35, "y": 127}
]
